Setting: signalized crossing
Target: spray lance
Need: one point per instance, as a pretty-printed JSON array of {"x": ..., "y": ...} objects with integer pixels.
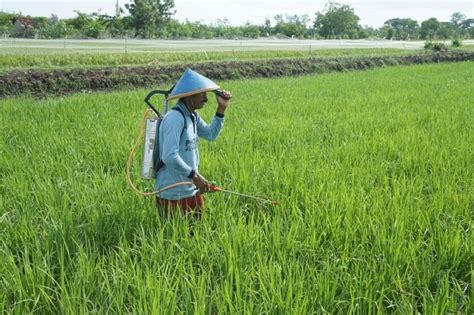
[
  {"x": 214, "y": 188},
  {"x": 148, "y": 130}
]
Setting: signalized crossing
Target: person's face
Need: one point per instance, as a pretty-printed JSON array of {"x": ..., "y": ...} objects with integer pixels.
[{"x": 197, "y": 101}]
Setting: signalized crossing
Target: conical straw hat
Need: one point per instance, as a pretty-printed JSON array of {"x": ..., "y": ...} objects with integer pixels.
[{"x": 191, "y": 83}]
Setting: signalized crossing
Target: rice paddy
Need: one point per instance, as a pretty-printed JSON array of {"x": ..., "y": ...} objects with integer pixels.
[{"x": 372, "y": 171}]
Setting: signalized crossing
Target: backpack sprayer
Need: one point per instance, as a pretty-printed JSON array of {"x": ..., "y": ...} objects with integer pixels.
[
  {"x": 151, "y": 162},
  {"x": 149, "y": 127}
]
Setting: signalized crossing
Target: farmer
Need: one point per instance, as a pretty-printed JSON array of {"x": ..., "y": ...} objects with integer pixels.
[{"x": 178, "y": 138}]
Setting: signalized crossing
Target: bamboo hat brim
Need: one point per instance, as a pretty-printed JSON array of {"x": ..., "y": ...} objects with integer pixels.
[{"x": 191, "y": 83}]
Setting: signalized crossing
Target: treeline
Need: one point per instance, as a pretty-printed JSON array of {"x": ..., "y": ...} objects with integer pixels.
[{"x": 153, "y": 19}]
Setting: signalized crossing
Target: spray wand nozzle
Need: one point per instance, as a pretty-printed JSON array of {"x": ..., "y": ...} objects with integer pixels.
[{"x": 213, "y": 187}]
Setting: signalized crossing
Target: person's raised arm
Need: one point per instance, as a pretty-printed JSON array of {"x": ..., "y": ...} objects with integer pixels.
[{"x": 211, "y": 131}]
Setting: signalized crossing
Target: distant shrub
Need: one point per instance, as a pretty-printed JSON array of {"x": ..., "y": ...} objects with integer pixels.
[
  {"x": 435, "y": 46},
  {"x": 440, "y": 47},
  {"x": 456, "y": 43},
  {"x": 391, "y": 61}
]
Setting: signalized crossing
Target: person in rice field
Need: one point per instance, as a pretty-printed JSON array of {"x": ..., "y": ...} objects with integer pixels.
[{"x": 179, "y": 132}]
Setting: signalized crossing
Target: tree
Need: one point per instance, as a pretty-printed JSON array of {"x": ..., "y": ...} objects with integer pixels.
[
  {"x": 457, "y": 18},
  {"x": 467, "y": 27},
  {"x": 468, "y": 23},
  {"x": 386, "y": 32},
  {"x": 250, "y": 31},
  {"x": 367, "y": 32},
  {"x": 291, "y": 25},
  {"x": 58, "y": 29},
  {"x": 446, "y": 30},
  {"x": 223, "y": 28},
  {"x": 39, "y": 21},
  {"x": 115, "y": 25},
  {"x": 429, "y": 28},
  {"x": 336, "y": 21},
  {"x": 266, "y": 29},
  {"x": 402, "y": 28},
  {"x": 94, "y": 29},
  {"x": 53, "y": 19},
  {"x": 6, "y": 27},
  {"x": 80, "y": 22},
  {"x": 91, "y": 25},
  {"x": 62, "y": 29},
  {"x": 147, "y": 16}
]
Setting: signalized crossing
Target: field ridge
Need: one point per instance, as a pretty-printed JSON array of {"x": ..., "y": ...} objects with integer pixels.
[{"x": 40, "y": 83}]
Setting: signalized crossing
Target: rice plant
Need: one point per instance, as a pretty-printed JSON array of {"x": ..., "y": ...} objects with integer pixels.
[{"x": 373, "y": 171}]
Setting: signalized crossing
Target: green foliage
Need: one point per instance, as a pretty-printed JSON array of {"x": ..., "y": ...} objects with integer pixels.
[
  {"x": 373, "y": 171},
  {"x": 293, "y": 26},
  {"x": 435, "y": 46},
  {"x": 81, "y": 21},
  {"x": 456, "y": 43},
  {"x": 153, "y": 19},
  {"x": 39, "y": 22},
  {"x": 94, "y": 25},
  {"x": 60, "y": 29},
  {"x": 430, "y": 28},
  {"x": 116, "y": 25},
  {"x": 6, "y": 28},
  {"x": 440, "y": 47},
  {"x": 149, "y": 16},
  {"x": 401, "y": 29},
  {"x": 471, "y": 32},
  {"x": 94, "y": 29},
  {"x": 457, "y": 19},
  {"x": 250, "y": 31},
  {"x": 336, "y": 21},
  {"x": 428, "y": 45}
]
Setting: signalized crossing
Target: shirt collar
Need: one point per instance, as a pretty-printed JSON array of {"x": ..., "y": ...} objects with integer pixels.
[{"x": 185, "y": 108}]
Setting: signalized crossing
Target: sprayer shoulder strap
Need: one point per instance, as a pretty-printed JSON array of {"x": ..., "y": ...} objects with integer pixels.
[
  {"x": 157, "y": 162},
  {"x": 184, "y": 118}
]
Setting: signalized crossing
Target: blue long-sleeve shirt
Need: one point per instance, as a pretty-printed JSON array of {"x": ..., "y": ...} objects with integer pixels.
[{"x": 179, "y": 149}]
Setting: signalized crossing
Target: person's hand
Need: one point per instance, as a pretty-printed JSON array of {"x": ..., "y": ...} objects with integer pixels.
[
  {"x": 223, "y": 103},
  {"x": 201, "y": 183}
]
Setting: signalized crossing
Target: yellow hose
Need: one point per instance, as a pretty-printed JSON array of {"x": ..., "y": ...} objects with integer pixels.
[{"x": 130, "y": 159}]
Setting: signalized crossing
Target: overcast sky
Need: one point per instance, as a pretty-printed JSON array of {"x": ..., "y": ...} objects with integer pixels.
[{"x": 371, "y": 12}]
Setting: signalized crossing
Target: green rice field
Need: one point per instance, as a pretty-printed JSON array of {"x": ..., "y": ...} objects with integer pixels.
[
  {"x": 373, "y": 172},
  {"x": 42, "y": 59}
]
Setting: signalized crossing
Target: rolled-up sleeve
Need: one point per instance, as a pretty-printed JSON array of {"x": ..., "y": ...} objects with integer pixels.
[
  {"x": 170, "y": 133},
  {"x": 211, "y": 131}
]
